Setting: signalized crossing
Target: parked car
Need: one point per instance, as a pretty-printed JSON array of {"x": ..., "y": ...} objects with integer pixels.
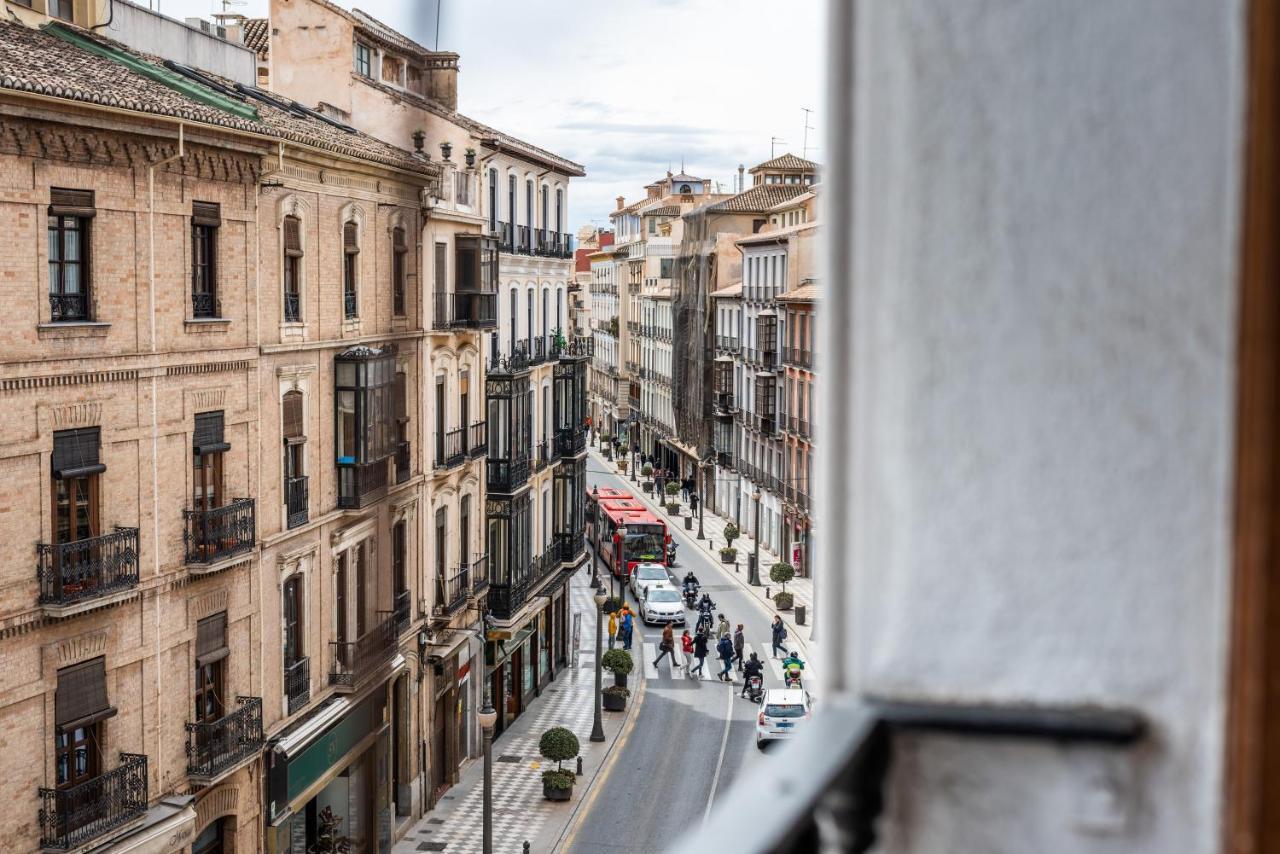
[
  {"x": 782, "y": 712},
  {"x": 647, "y": 574},
  {"x": 661, "y": 603}
]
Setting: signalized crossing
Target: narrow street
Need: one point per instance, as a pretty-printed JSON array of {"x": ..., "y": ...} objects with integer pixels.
[{"x": 692, "y": 738}]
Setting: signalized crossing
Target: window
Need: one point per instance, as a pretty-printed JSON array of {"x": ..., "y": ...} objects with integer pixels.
[
  {"x": 664, "y": 267},
  {"x": 364, "y": 390},
  {"x": 295, "y": 480},
  {"x": 80, "y": 707},
  {"x": 363, "y": 60},
  {"x": 528, "y": 203},
  {"x": 292, "y": 289},
  {"x": 545, "y": 199},
  {"x": 205, "y": 219},
  {"x": 292, "y": 605},
  {"x": 213, "y": 839},
  {"x": 511, "y": 199},
  {"x": 75, "y": 488},
  {"x": 559, "y": 210},
  {"x": 211, "y": 651},
  {"x": 399, "y": 249},
  {"x": 350, "y": 261},
  {"x": 493, "y": 200},
  {"x": 63, "y": 9},
  {"x": 70, "y": 212}
]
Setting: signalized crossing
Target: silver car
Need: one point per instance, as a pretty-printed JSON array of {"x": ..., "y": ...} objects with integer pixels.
[
  {"x": 661, "y": 603},
  {"x": 646, "y": 575}
]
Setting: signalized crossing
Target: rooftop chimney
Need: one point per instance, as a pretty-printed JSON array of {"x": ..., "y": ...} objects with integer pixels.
[
  {"x": 622, "y": 202},
  {"x": 741, "y": 186}
]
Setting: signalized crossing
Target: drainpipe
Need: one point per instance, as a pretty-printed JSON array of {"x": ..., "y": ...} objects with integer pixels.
[{"x": 155, "y": 450}]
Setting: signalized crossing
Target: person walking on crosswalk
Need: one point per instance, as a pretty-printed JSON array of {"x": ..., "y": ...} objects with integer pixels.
[
  {"x": 699, "y": 652},
  {"x": 739, "y": 642},
  {"x": 724, "y": 649},
  {"x": 667, "y": 646},
  {"x": 686, "y": 647}
]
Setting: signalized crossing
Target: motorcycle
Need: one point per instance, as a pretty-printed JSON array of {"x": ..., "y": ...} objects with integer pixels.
[
  {"x": 755, "y": 689},
  {"x": 691, "y": 596},
  {"x": 792, "y": 677},
  {"x": 704, "y": 623},
  {"x": 671, "y": 554}
]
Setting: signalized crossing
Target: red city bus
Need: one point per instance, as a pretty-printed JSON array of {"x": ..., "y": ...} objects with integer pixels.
[{"x": 647, "y": 536}]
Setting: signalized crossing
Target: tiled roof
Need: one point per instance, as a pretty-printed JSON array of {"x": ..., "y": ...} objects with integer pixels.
[
  {"x": 804, "y": 293},
  {"x": 40, "y": 62},
  {"x": 665, "y": 210},
  {"x": 676, "y": 179},
  {"x": 787, "y": 162},
  {"x": 776, "y": 234},
  {"x": 257, "y": 36},
  {"x": 758, "y": 199},
  {"x": 734, "y": 290},
  {"x": 803, "y": 197},
  {"x": 393, "y": 38}
]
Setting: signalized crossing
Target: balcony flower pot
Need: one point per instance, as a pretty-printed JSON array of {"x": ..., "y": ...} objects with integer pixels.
[
  {"x": 782, "y": 601},
  {"x": 728, "y": 554},
  {"x": 614, "y": 698},
  {"x": 558, "y": 745}
]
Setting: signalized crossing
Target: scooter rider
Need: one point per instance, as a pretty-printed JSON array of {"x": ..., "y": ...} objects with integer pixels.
[
  {"x": 792, "y": 666},
  {"x": 752, "y": 667},
  {"x": 691, "y": 581}
]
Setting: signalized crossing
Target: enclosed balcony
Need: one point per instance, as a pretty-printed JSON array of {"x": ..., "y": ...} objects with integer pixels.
[
  {"x": 74, "y": 576},
  {"x": 356, "y": 661},
  {"x": 219, "y": 533},
  {"x": 510, "y": 430},
  {"x": 404, "y": 462},
  {"x": 361, "y": 485},
  {"x": 220, "y": 746},
  {"x": 364, "y": 397},
  {"x": 72, "y": 817}
]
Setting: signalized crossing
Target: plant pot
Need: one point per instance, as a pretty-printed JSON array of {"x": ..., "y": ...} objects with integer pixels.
[
  {"x": 620, "y": 679},
  {"x": 556, "y": 794},
  {"x": 783, "y": 601},
  {"x": 648, "y": 487},
  {"x": 614, "y": 702},
  {"x": 608, "y": 452},
  {"x": 726, "y": 558}
]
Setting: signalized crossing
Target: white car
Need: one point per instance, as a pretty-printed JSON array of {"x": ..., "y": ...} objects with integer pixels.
[
  {"x": 661, "y": 603},
  {"x": 782, "y": 712},
  {"x": 646, "y": 575}
]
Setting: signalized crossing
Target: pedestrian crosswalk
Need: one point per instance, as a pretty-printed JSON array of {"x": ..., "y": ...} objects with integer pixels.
[{"x": 674, "y": 667}]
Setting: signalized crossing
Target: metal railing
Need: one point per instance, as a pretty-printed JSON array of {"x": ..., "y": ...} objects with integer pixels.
[
  {"x": 296, "y": 501},
  {"x": 87, "y": 569},
  {"x": 570, "y": 546},
  {"x": 452, "y": 592},
  {"x": 724, "y": 402},
  {"x": 453, "y": 450},
  {"x": 475, "y": 311},
  {"x": 441, "y": 310},
  {"x": 355, "y": 661},
  {"x": 292, "y": 308},
  {"x": 479, "y": 575},
  {"x": 214, "y": 747},
  {"x": 402, "y": 611},
  {"x": 569, "y": 441},
  {"x": 404, "y": 462},
  {"x": 802, "y": 428},
  {"x": 360, "y": 484},
  {"x": 540, "y": 457},
  {"x": 220, "y": 532},
  {"x": 204, "y": 305},
  {"x": 68, "y": 307},
  {"x": 349, "y": 305},
  {"x": 537, "y": 350},
  {"x": 478, "y": 441},
  {"x": 297, "y": 683},
  {"x": 505, "y": 599},
  {"x": 78, "y": 814},
  {"x": 504, "y": 235},
  {"x": 797, "y": 357},
  {"x": 524, "y": 240},
  {"x": 506, "y": 475},
  {"x": 727, "y": 343}
]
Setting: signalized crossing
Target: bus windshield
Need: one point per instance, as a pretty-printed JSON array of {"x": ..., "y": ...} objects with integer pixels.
[{"x": 645, "y": 542}]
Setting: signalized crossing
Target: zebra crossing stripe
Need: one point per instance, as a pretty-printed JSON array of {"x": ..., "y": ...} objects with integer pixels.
[
  {"x": 650, "y": 653},
  {"x": 776, "y": 666}
]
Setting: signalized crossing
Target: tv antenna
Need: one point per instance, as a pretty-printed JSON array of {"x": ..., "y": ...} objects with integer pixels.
[
  {"x": 773, "y": 144},
  {"x": 804, "y": 152}
]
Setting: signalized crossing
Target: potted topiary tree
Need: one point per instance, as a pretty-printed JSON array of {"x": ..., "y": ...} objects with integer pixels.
[
  {"x": 647, "y": 471},
  {"x": 606, "y": 445},
  {"x": 614, "y": 698},
  {"x": 558, "y": 745},
  {"x": 728, "y": 554},
  {"x": 781, "y": 573},
  {"x": 730, "y": 534},
  {"x": 613, "y": 603},
  {"x": 619, "y": 663}
]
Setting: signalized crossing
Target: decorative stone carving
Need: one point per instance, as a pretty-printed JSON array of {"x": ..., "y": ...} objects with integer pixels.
[{"x": 76, "y": 415}]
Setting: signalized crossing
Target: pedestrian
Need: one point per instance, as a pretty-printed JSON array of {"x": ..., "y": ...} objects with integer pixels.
[
  {"x": 667, "y": 645},
  {"x": 724, "y": 649},
  {"x": 722, "y": 630},
  {"x": 779, "y": 632},
  {"x": 628, "y": 624},
  {"x": 657, "y": 481},
  {"x": 613, "y": 627},
  {"x": 693, "y": 502},
  {"x": 699, "y": 651},
  {"x": 686, "y": 646},
  {"x": 739, "y": 642},
  {"x": 686, "y": 486}
]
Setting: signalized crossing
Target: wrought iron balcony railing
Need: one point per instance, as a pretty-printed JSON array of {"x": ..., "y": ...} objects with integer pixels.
[
  {"x": 404, "y": 462},
  {"x": 797, "y": 357},
  {"x": 540, "y": 457},
  {"x": 478, "y": 441},
  {"x": 724, "y": 402},
  {"x": 218, "y": 533},
  {"x": 204, "y": 306},
  {"x": 569, "y": 441},
  {"x": 506, "y": 599},
  {"x": 216, "y": 747},
  {"x": 349, "y": 305},
  {"x": 69, "y": 573},
  {"x": 292, "y": 308},
  {"x": 452, "y": 450},
  {"x": 361, "y": 484},
  {"x": 475, "y": 311},
  {"x": 65, "y": 308},
  {"x": 537, "y": 350},
  {"x": 505, "y": 237},
  {"x": 724, "y": 459},
  {"x": 508, "y": 475},
  {"x": 355, "y": 661},
  {"x": 479, "y": 575},
  {"x": 297, "y": 683},
  {"x": 74, "y": 816},
  {"x": 296, "y": 501},
  {"x": 570, "y": 546},
  {"x": 452, "y": 592}
]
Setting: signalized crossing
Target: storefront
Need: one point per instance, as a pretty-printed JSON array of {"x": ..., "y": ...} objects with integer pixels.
[
  {"x": 333, "y": 771},
  {"x": 523, "y": 661}
]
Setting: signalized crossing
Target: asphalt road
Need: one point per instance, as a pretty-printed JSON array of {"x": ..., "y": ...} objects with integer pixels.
[{"x": 693, "y": 739}]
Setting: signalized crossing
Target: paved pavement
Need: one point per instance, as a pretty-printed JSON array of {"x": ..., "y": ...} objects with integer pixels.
[
  {"x": 692, "y": 739},
  {"x": 520, "y": 813}
]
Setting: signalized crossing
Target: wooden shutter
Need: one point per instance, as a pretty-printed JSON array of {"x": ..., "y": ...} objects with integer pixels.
[
  {"x": 71, "y": 202},
  {"x": 350, "y": 244},
  {"x": 206, "y": 213},
  {"x": 75, "y": 453},
  {"x": 294, "y": 431},
  {"x": 442, "y": 267},
  {"x": 208, "y": 436},
  {"x": 292, "y": 236},
  {"x": 81, "y": 698},
  {"x": 402, "y": 397},
  {"x": 211, "y": 639}
]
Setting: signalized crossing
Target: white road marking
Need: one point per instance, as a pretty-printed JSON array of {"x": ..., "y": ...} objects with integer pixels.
[
  {"x": 724, "y": 742},
  {"x": 650, "y": 653},
  {"x": 776, "y": 666}
]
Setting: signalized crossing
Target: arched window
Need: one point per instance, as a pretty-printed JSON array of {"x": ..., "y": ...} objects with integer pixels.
[
  {"x": 529, "y": 327},
  {"x": 546, "y": 315},
  {"x": 685, "y": 190},
  {"x": 528, "y": 203},
  {"x": 399, "y": 249},
  {"x": 350, "y": 263},
  {"x": 544, "y": 207}
]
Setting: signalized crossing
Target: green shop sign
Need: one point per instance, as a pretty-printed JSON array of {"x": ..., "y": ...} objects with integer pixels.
[{"x": 289, "y": 779}]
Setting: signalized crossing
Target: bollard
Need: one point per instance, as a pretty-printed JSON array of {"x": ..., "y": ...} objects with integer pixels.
[
  {"x": 766, "y": 592},
  {"x": 579, "y": 766}
]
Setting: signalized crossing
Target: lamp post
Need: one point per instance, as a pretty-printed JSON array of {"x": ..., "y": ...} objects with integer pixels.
[
  {"x": 488, "y": 717},
  {"x": 754, "y": 578},
  {"x": 595, "y": 537},
  {"x": 619, "y": 560},
  {"x": 597, "y": 730},
  {"x": 632, "y": 443},
  {"x": 702, "y": 494}
]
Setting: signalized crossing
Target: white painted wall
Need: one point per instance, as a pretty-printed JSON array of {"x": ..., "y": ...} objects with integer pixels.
[
  {"x": 145, "y": 30},
  {"x": 1044, "y": 236}
]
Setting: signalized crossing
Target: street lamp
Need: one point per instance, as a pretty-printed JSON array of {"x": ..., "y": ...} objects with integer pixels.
[
  {"x": 754, "y": 578},
  {"x": 595, "y": 537},
  {"x": 597, "y": 731},
  {"x": 632, "y": 443},
  {"x": 619, "y": 560},
  {"x": 702, "y": 494},
  {"x": 488, "y": 717}
]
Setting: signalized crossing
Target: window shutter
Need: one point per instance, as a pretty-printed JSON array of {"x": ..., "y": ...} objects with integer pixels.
[
  {"x": 397, "y": 240},
  {"x": 293, "y": 429},
  {"x": 71, "y": 202},
  {"x": 402, "y": 394},
  {"x": 211, "y": 639},
  {"x": 292, "y": 236},
  {"x": 75, "y": 453},
  {"x": 349, "y": 242},
  {"x": 81, "y": 698},
  {"x": 208, "y": 435},
  {"x": 206, "y": 213}
]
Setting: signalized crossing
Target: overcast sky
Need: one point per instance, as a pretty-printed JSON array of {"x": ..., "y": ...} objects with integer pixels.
[{"x": 626, "y": 89}]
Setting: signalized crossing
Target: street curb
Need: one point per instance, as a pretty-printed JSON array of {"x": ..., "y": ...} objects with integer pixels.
[
  {"x": 793, "y": 633},
  {"x": 602, "y": 772}
]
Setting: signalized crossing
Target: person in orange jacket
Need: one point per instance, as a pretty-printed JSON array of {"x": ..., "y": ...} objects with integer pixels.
[{"x": 613, "y": 627}]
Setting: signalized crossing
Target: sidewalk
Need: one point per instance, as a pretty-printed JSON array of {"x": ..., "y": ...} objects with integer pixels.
[
  {"x": 713, "y": 527},
  {"x": 520, "y": 813}
]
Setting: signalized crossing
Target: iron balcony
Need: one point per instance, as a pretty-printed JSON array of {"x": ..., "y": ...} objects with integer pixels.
[
  {"x": 69, "y": 573},
  {"x": 219, "y": 746},
  {"x": 218, "y": 533},
  {"x": 74, "y": 816}
]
